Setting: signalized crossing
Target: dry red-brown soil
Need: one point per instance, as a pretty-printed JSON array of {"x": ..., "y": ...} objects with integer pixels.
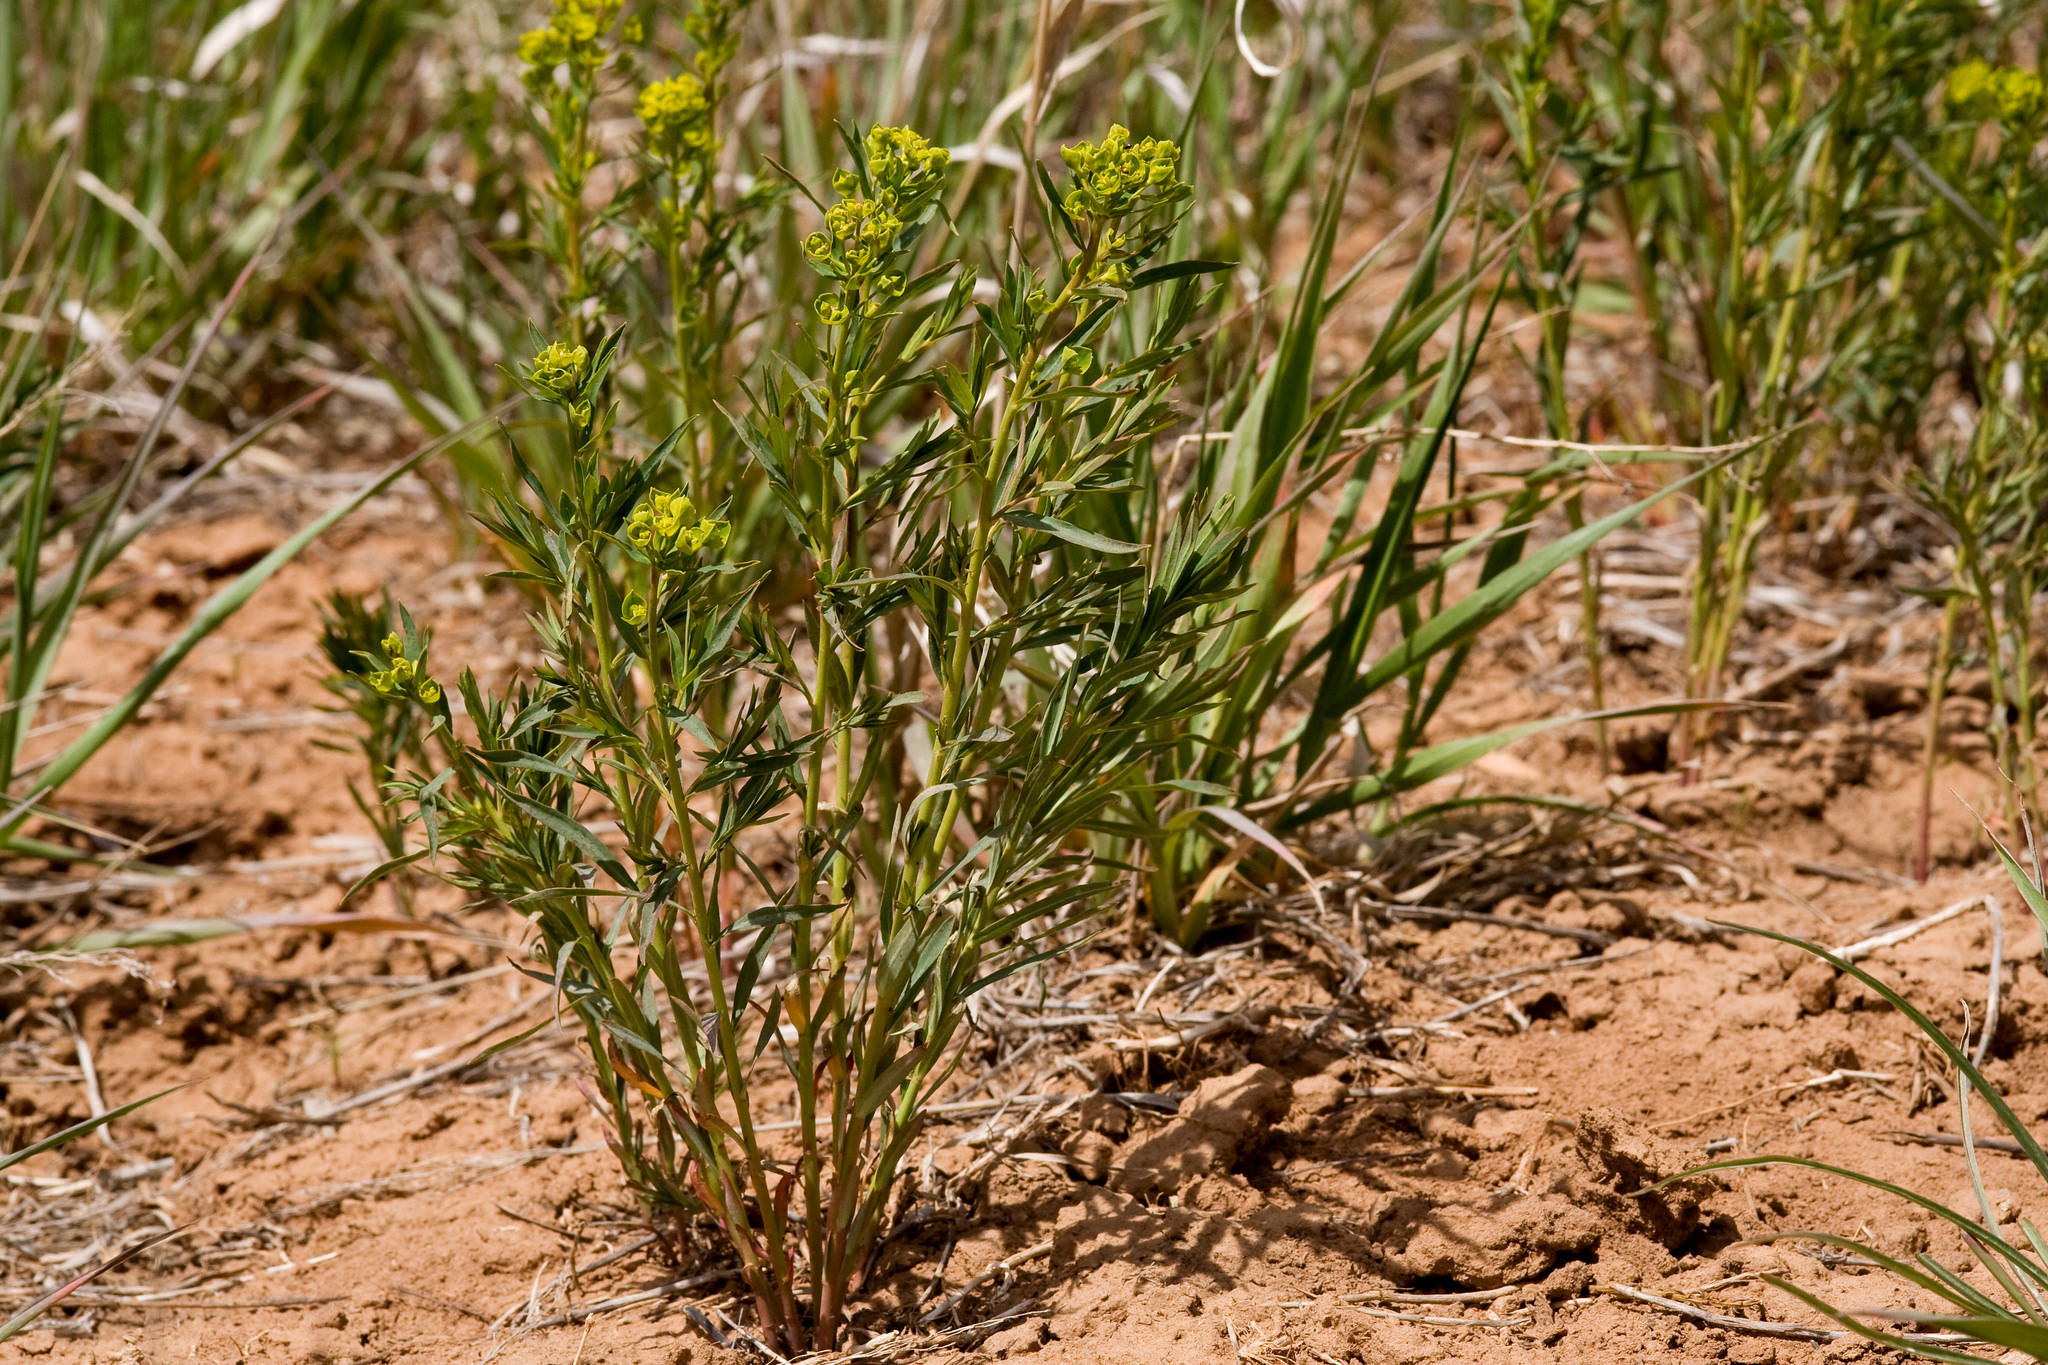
[{"x": 1275, "y": 1150}]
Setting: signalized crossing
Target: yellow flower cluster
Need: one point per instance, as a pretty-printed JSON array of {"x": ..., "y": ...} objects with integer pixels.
[
  {"x": 557, "y": 371},
  {"x": 905, "y": 175},
  {"x": 404, "y": 678},
  {"x": 1116, "y": 176},
  {"x": 666, "y": 526},
  {"x": 858, "y": 234},
  {"x": 2011, "y": 94},
  {"x": 903, "y": 165},
  {"x": 677, "y": 115},
  {"x": 570, "y": 36}
]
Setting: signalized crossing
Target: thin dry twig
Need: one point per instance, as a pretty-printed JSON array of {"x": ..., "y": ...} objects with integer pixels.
[
  {"x": 1427, "y": 1321},
  {"x": 1251, "y": 1017},
  {"x": 1893, "y": 937},
  {"x": 1424, "y": 912},
  {"x": 1814, "y": 1083},
  {"x": 1002, "y": 1267},
  {"x": 1783, "y": 1331},
  {"x": 661, "y": 1291},
  {"x": 436, "y": 1301},
  {"x": 1404, "y": 1296},
  {"x": 1982, "y": 1144},
  {"x": 1997, "y": 918}
]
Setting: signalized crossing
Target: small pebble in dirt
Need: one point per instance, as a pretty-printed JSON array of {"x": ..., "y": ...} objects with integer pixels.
[
  {"x": 440, "y": 1122},
  {"x": 2005, "y": 1206},
  {"x": 1744, "y": 1259},
  {"x": 1568, "y": 1281},
  {"x": 1443, "y": 1165},
  {"x": 1101, "y": 1114}
]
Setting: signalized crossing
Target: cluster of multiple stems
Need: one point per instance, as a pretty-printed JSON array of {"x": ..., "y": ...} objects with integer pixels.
[
  {"x": 1989, "y": 490},
  {"x": 787, "y": 891}
]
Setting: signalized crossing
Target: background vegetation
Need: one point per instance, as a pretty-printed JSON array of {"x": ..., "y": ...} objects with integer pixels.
[{"x": 1019, "y": 516}]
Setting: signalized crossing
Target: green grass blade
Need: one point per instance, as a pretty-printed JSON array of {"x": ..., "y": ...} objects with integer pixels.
[
  {"x": 217, "y": 610},
  {"x": 2008, "y": 1332},
  {"x": 79, "y": 1130},
  {"x": 1929, "y": 1350},
  {"x": 1423, "y": 766},
  {"x": 1485, "y": 604},
  {"x": 1957, "y": 1056}
]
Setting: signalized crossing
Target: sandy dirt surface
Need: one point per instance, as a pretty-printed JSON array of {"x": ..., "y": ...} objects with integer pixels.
[{"x": 1330, "y": 1107}]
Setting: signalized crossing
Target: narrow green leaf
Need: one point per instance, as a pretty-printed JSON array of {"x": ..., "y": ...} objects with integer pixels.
[
  {"x": 1177, "y": 270},
  {"x": 218, "y": 609},
  {"x": 1424, "y": 766},
  {"x": 79, "y": 1130},
  {"x": 579, "y": 835},
  {"x": 1067, "y": 531},
  {"x": 1486, "y": 603},
  {"x": 35, "y": 1308}
]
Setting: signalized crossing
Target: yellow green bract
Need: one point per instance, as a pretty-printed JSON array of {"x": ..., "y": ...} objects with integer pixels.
[
  {"x": 404, "y": 678},
  {"x": 557, "y": 371},
  {"x": 903, "y": 164},
  {"x": 710, "y": 26},
  {"x": 667, "y": 526},
  {"x": 570, "y": 36},
  {"x": 1116, "y": 177},
  {"x": 2011, "y": 94},
  {"x": 906, "y": 174}
]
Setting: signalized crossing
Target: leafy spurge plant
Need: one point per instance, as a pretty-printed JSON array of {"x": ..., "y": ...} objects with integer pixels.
[
  {"x": 786, "y": 890},
  {"x": 378, "y": 655}
]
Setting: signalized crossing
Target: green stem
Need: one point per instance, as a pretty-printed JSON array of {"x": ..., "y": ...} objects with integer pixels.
[
  {"x": 927, "y": 855},
  {"x": 1930, "y": 755}
]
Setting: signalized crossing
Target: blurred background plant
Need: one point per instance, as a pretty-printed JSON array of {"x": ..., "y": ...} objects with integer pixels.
[
  {"x": 64, "y": 528},
  {"x": 1017, "y": 407},
  {"x": 1987, "y": 482},
  {"x": 1799, "y": 209},
  {"x": 1759, "y": 189},
  {"x": 1821, "y": 214},
  {"x": 342, "y": 135}
]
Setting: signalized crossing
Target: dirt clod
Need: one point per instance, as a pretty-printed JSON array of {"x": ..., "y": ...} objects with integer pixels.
[
  {"x": 1490, "y": 1244},
  {"x": 1316, "y": 1096},
  {"x": 1022, "y": 1339},
  {"x": 1624, "y": 1160},
  {"x": 1813, "y": 986},
  {"x": 1094, "y": 1156},
  {"x": 1224, "y": 1120}
]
